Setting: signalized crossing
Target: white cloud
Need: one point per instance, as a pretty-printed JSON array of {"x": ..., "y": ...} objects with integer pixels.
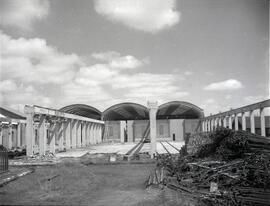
[
  {"x": 145, "y": 15},
  {"x": 32, "y": 60},
  {"x": 115, "y": 60},
  {"x": 23, "y": 13},
  {"x": 188, "y": 73},
  {"x": 33, "y": 72},
  {"x": 7, "y": 86},
  {"x": 230, "y": 84}
]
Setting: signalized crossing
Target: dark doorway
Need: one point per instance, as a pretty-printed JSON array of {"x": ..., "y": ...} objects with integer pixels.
[{"x": 173, "y": 137}]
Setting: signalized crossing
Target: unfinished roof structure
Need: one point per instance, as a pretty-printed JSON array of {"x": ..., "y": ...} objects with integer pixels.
[
  {"x": 126, "y": 111},
  {"x": 82, "y": 110},
  {"x": 179, "y": 110}
]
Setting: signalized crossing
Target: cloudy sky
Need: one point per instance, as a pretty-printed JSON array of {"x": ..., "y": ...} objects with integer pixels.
[{"x": 212, "y": 53}]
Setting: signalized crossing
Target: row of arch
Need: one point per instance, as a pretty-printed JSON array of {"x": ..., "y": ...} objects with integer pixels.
[{"x": 134, "y": 111}]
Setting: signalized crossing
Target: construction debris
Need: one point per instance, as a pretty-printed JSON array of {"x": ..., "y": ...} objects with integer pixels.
[{"x": 230, "y": 168}]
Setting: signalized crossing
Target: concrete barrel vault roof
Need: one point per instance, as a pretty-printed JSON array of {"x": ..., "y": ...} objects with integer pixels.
[
  {"x": 82, "y": 110},
  {"x": 135, "y": 111},
  {"x": 126, "y": 111}
]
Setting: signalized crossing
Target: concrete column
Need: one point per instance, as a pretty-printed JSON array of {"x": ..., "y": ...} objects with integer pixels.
[
  {"x": 230, "y": 122},
  {"x": 29, "y": 132},
  {"x": 1, "y": 136},
  {"x": 87, "y": 137},
  {"x": 235, "y": 122},
  {"x": 212, "y": 124},
  {"x": 74, "y": 133},
  {"x": 122, "y": 131},
  {"x": 216, "y": 122},
  {"x": 10, "y": 136},
  {"x": 153, "y": 106},
  {"x": 244, "y": 125},
  {"x": 19, "y": 127},
  {"x": 91, "y": 133},
  {"x": 220, "y": 122},
  {"x": 99, "y": 133},
  {"x": 262, "y": 116},
  {"x": 79, "y": 134},
  {"x": 42, "y": 136},
  {"x": 95, "y": 134},
  {"x": 67, "y": 133},
  {"x": 53, "y": 136},
  {"x": 225, "y": 122},
  {"x": 83, "y": 134},
  {"x": 61, "y": 136},
  {"x": 252, "y": 121},
  {"x": 130, "y": 130}
]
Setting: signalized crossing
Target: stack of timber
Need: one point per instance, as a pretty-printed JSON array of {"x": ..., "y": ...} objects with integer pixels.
[{"x": 231, "y": 168}]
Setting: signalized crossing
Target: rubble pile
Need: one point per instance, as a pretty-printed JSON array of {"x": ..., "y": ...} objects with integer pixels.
[{"x": 231, "y": 168}]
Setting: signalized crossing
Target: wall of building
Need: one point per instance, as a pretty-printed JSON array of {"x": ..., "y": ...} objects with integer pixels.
[
  {"x": 163, "y": 129},
  {"x": 112, "y": 131},
  {"x": 176, "y": 129}
]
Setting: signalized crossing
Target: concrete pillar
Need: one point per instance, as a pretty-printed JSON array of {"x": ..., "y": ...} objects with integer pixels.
[
  {"x": 42, "y": 135},
  {"x": 244, "y": 125},
  {"x": 130, "y": 130},
  {"x": 95, "y": 134},
  {"x": 122, "y": 131},
  {"x": 91, "y": 133},
  {"x": 252, "y": 121},
  {"x": 212, "y": 124},
  {"x": 67, "y": 134},
  {"x": 262, "y": 116},
  {"x": 29, "y": 132},
  {"x": 74, "y": 133},
  {"x": 153, "y": 106},
  {"x": 225, "y": 122},
  {"x": 79, "y": 134},
  {"x": 83, "y": 134},
  {"x": 10, "y": 136},
  {"x": 220, "y": 122},
  {"x": 53, "y": 136},
  {"x": 99, "y": 133},
  {"x": 1, "y": 136},
  {"x": 230, "y": 121},
  {"x": 216, "y": 122},
  {"x": 61, "y": 136},
  {"x": 19, "y": 127},
  {"x": 87, "y": 135},
  {"x": 235, "y": 122}
]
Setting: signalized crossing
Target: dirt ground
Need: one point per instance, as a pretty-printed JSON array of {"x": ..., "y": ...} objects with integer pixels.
[{"x": 74, "y": 183}]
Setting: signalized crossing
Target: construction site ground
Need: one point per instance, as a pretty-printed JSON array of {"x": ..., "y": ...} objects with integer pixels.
[{"x": 71, "y": 182}]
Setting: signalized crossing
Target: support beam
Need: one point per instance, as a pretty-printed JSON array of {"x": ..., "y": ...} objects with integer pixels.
[
  {"x": 244, "y": 122},
  {"x": 122, "y": 131},
  {"x": 83, "y": 134},
  {"x": 230, "y": 122},
  {"x": 61, "y": 136},
  {"x": 10, "y": 139},
  {"x": 79, "y": 134},
  {"x": 73, "y": 133},
  {"x": 19, "y": 134},
  {"x": 153, "y": 106},
  {"x": 42, "y": 136},
  {"x": 262, "y": 116},
  {"x": 225, "y": 122},
  {"x": 67, "y": 134},
  {"x": 252, "y": 121},
  {"x": 235, "y": 122},
  {"x": 29, "y": 130}
]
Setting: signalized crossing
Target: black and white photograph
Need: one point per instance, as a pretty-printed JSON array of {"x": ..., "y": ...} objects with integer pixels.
[{"x": 135, "y": 102}]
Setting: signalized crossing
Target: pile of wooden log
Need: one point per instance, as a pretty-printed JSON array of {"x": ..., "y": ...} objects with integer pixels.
[{"x": 233, "y": 168}]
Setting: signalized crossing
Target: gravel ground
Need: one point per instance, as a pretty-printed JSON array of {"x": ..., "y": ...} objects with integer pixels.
[{"x": 78, "y": 184}]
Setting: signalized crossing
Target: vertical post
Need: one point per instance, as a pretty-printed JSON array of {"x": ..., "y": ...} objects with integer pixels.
[
  {"x": 122, "y": 131},
  {"x": 216, "y": 123},
  {"x": 29, "y": 111},
  {"x": 74, "y": 133},
  {"x": 230, "y": 121},
  {"x": 42, "y": 135},
  {"x": 236, "y": 122},
  {"x": 10, "y": 136},
  {"x": 19, "y": 134},
  {"x": 219, "y": 122},
  {"x": 67, "y": 133},
  {"x": 225, "y": 122},
  {"x": 94, "y": 134},
  {"x": 262, "y": 122},
  {"x": 87, "y": 133},
  {"x": 244, "y": 124},
  {"x": 153, "y": 106},
  {"x": 91, "y": 141},
  {"x": 252, "y": 121},
  {"x": 83, "y": 134},
  {"x": 79, "y": 134},
  {"x": 61, "y": 136}
]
